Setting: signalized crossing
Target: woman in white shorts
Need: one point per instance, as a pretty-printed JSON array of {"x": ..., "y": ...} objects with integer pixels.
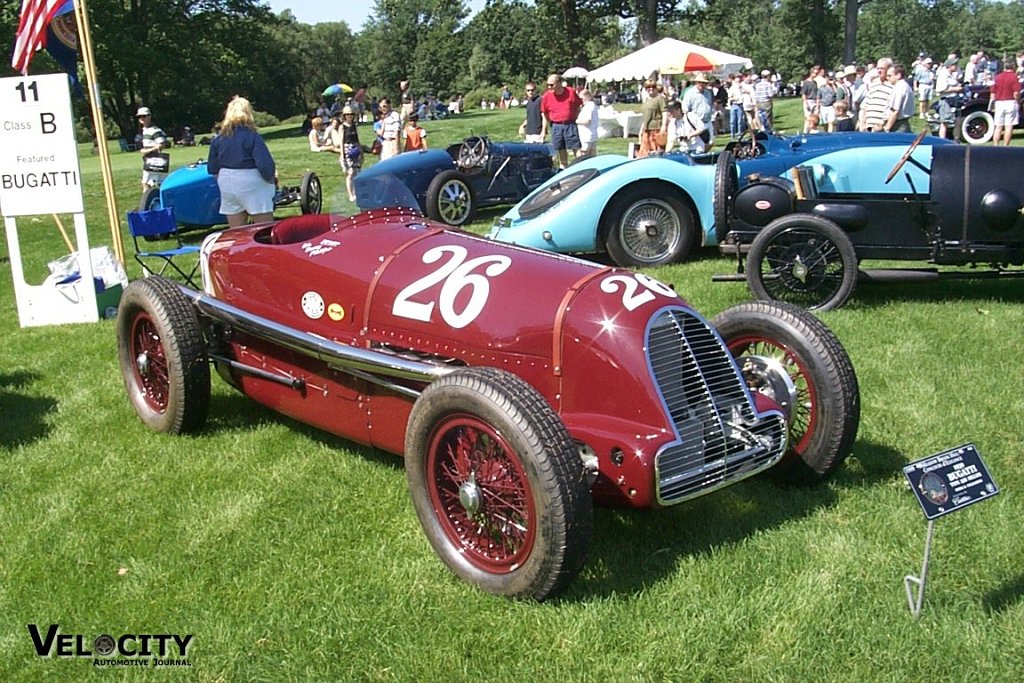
[{"x": 246, "y": 174}]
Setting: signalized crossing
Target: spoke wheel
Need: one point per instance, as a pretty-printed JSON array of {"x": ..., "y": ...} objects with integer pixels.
[
  {"x": 804, "y": 260},
  {"x": 162, "y": 354},
  {"x": 647, "y": 229},
  {"x": 498, "y": 484},
  {"x": 767, "y": 337},
  {"x": 451, "y": 199},
  {"x": 310, "y": 194},
  {"x": 481, "y": 493}
]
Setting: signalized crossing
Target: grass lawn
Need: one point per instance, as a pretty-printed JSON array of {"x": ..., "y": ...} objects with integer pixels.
[{"x": 291, "y": 555}]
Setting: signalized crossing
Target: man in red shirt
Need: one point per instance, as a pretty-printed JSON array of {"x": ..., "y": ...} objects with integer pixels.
[
  {"x": 560, "y": 106},
  {"x": 1005, "y": 102}
]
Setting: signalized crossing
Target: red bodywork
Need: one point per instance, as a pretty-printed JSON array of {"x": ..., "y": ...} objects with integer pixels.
[{"x": 573, "y": 330}]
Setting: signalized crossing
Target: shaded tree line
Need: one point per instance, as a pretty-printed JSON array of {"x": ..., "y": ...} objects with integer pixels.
[{"x": 186, "y": 58}]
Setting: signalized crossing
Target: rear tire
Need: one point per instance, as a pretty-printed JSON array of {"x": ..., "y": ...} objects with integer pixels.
[
  {"x": 644, "y": 226},
  {"x": 977, "y": 127},
  {"x": 498, "y": 484},
  {"x": 726, "y": 184},
  {"x": 162, "y": 354},
  {"x": 826, "y": 416}
]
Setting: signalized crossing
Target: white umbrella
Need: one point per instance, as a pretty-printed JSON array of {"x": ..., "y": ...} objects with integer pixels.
[{"x": 576, "y": 72}]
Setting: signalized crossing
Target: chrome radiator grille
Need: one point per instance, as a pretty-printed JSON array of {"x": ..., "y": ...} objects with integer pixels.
[{"x": 720, "y": 438}]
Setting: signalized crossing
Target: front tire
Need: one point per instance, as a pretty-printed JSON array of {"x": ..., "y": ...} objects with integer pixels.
[
  {"x": 498, "y": 484},
  {"x": 310, "y": 193},
  {"x": 150, "y": 199},
  {"x": 826, "y": 415},
  {"x": 648, "y": 228},
  {"x": 805, "y": 260},
  {"x": 726, "y": 184},
  {"x": 977, "y": 127},
  {"x": 451, "y": 199},
  {"x": 162, "y": 354}
]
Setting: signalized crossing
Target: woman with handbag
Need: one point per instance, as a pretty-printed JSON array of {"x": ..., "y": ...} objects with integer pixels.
[
  {"x": 246, "y": 173},
  {"x": 346, "y": 139}
]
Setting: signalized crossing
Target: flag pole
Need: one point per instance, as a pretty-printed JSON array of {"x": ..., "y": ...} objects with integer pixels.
[{"x": 96, "y": 105}]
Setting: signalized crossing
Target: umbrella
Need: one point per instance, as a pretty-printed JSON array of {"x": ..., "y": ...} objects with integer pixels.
[
  {"x": 576, "y": 72},
  {"x": 687, "y": 63},
  {"x": 336, "y": 89}
]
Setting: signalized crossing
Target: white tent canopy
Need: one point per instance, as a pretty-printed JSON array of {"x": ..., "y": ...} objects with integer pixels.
[{"x": 667, "y": 55}]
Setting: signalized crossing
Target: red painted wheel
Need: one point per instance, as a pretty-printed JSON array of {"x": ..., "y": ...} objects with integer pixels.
[
  {"x": 790, "y": 356},
  {"x": 478, "y": 487},
  {"x": 498, "y": 484},
  {"x": 162, "y": 353}
]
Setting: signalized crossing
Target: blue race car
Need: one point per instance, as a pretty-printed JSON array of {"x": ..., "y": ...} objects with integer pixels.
[
  {"x": 450, "y": 185},
  {"x": 658, "y": 210},
  {"x": 195, "y": 197}
]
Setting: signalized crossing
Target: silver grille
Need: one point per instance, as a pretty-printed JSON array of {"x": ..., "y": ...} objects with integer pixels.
[{"x": 720, "y": 438}]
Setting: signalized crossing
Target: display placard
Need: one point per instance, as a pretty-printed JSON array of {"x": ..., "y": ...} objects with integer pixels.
[
  {"x": 949, "y": 481},
  {"x": 39, "y": 171}
]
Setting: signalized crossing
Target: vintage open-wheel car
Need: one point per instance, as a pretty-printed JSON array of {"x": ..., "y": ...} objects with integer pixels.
[
  {"x": 519, "y": 386},
  {"x": 802, "y": 239}
]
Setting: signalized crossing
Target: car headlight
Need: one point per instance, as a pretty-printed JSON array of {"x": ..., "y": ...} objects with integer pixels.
[{"x": 544, "y": 199}]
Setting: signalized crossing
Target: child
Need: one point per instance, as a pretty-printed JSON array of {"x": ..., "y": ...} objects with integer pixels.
[
  {"x": 844, "y": 123},
  {"x": 415, "y": 137}
]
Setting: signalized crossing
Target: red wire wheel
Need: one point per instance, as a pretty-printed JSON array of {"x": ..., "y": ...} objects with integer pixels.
[
  {"x": 498, "y": 484},
  {"x": 483, "y": 497},
  {"x": 150, "y": 365}
]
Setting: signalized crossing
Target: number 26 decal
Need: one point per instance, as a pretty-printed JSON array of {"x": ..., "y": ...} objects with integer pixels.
[
  {"x": 457, "y": 274},
  {"x": 637, "y": 289}
]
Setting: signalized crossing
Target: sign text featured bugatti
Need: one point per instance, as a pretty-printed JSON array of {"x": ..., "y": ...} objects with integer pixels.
[{"x": 159, "y": 649}]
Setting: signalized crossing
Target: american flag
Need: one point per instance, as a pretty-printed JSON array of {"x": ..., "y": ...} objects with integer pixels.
[{"x": 35, "y": 17}]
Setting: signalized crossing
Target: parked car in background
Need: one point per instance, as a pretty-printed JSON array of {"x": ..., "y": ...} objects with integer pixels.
[
  {"x": 450, "y": 185},
  {"x": 974, "y": 123},
  {"x": 520, "y": 386},
  {"x": 659, "y": 209},
  {"x": 195, "y": 197},
  {"x": 804, "y": 237}
]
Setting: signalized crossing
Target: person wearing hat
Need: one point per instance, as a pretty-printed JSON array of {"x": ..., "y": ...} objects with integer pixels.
[
  {"x": 152, "y": 144},
  {"x": 245, "y": 171},
  {"x": 924, "y": 84},
  {"x": 948, "y": 85},
  {"x": 764, "y": 91},
  {"x": 697, "y": 100}
]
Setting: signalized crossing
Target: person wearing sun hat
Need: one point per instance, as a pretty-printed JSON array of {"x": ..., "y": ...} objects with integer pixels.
[
  {"x": 697, "y": 99},
  {"x": 764, "y": 91}
]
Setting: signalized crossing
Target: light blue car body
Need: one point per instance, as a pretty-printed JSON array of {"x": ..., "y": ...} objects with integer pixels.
[{"x": 573, "y": 224}]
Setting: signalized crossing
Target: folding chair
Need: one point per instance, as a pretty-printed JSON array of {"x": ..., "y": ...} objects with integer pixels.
[{"x": 160, "y": 224}]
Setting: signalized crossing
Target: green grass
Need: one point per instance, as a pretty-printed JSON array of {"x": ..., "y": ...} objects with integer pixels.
[{"x": 291, "y": 555}]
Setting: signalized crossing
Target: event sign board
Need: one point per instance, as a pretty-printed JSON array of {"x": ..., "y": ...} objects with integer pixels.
[
  {"x": 40, "y": 174},
  {"x": 38, "y": 153},
  {"x": 950, "y": 480}
]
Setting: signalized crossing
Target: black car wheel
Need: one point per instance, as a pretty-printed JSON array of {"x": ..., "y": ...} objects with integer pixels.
[
  {"x": 498, "y": 484},
  {"x": 451, "y": 199},
  {"x": 768, "y": 338},
  {"x": 726, "y": 183},
  {"x": 977, "y": 127},
  {"x": 645, "y": 227},
  {"x": 310, "y": 193},
  {"x": 804, "y": 260},
  {"x": 162, "y": 354}
]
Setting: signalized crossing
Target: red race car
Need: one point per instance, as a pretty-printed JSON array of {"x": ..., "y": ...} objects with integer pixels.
[{"x": 520, "y": 386}]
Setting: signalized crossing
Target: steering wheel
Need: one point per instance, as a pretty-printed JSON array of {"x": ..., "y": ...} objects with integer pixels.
[
  {"x": 472, "y": 152},
  {"x": 906, "y": 156},
  {"x": 746, "y": 146}
]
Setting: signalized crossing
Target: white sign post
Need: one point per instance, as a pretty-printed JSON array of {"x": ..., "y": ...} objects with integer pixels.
[{"x": 39, "y": 174}]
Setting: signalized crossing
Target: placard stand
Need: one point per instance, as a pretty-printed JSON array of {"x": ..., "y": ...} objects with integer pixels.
[
  {"x": 909, "y": 581},
  {"x": 944, "y": 483}
]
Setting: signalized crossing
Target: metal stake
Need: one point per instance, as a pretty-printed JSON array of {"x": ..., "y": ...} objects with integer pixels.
[{"x": 909, "y": 581}]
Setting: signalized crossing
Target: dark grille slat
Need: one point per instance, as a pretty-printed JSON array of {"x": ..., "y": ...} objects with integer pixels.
[{"x": 704, "y": 393}]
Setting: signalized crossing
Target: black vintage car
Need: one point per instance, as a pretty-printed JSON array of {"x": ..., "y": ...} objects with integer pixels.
[
  {"x": 973, "y": 123},
  {"x": 450, "y": 185},
  {"x": 804, "y": 236}
]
